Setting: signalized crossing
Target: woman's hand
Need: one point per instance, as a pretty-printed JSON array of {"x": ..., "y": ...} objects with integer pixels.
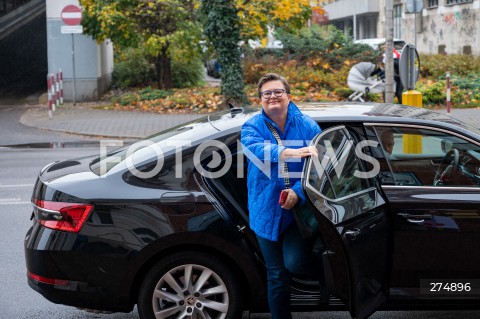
[
  {"x": 291, "y": 200},
  {"x": 298, "y": 152}
]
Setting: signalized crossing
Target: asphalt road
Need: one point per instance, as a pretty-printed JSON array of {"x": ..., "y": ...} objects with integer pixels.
[
  {"x": 18, "y": 171},
  {"x": 12, "y": 132}
]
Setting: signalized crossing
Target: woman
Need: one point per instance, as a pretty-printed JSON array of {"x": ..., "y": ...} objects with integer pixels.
[{"x": 282, "y": 245}]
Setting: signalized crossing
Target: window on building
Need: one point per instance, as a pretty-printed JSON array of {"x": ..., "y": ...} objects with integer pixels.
[
  {"x": 450, "y": 2},
  {"x": 432, "y": 3},
  {"x": 397, "y": 21}
]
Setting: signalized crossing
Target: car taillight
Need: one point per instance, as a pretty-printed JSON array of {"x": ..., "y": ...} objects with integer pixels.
[
  {"x": 45, "y": 280},
  {"x": 67, "y": 217}
]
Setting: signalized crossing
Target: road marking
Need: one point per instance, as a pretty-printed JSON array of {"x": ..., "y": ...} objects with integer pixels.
[
  {"x": 18, "y": 185},
  {"x": 12, "y": 201}
]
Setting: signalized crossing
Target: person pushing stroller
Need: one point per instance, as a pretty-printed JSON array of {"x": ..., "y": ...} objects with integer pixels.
[{"x": 366, "y": 77}]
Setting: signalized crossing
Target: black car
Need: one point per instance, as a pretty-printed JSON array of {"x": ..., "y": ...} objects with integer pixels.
[{"x": 163, "y": 223}]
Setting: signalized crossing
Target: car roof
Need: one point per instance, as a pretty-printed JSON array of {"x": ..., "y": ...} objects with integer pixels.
[
  {"x": 374, "y": 43},
  {"x": 376, "y": 40},
  {"x": 342, "y": 112}
]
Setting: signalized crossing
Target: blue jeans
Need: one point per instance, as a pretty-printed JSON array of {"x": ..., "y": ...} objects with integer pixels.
[{"x": 290, "y": 254}]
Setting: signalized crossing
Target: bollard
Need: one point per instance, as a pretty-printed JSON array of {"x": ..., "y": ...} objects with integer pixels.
[
  {"x": 57, "y": 90},
  {"x": 52, "y": 89},
  {"x": 449, "y": 104},
  {"x": 50, "y": 114},
  {"x": 61, "y": 87},
  {"x": 412, "y": 144}
]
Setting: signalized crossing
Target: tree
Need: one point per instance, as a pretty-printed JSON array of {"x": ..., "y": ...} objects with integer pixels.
[
  {"x": 154, "y": 24},
  {"x": 227, "y": 22},
  {"x": 258, "y": 16},
  {"x": 222, "y": 27}
]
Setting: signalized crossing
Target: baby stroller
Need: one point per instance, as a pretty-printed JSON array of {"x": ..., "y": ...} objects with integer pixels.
[{"x": 362, "y": 81}]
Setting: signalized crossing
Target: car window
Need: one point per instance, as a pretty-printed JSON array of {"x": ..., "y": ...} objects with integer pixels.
[
  {"x": 398, "y": 45},
  {"x": 428, "y": 157},
  {"x": 333, "y": 182},
  {"x": 166, "y": 141},
  {"x": 333, "y": 173}
]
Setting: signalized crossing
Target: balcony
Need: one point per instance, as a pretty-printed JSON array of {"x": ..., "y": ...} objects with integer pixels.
[{"x": 341, "y": 9}]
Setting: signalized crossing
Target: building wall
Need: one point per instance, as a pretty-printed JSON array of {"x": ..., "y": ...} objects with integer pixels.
[
  {"x": 90, "y": 76},
  {"x": 453, "y": 29}
]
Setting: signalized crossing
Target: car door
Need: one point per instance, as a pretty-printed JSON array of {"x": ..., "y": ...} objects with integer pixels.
[
  {"x": 435, "y": 207},
  {"x": 352, "y": 220}
]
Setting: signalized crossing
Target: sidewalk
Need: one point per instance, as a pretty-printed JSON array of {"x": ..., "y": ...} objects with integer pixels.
[
  {"x": 103, "y": 123},
  {"x": 134, "y": 125},
  {"x": 471, "y": 116}
]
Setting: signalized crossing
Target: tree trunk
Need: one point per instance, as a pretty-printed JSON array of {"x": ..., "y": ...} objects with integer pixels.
[{"x": 164, "y": 70}]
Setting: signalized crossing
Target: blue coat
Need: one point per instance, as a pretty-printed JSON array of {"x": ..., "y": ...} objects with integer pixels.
[{"x": 264, "y": 180}]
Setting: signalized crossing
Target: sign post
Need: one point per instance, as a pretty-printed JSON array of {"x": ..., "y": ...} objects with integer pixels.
[
  {"x": 72, "y": 16},
  {"x": 409, "y": 69},
  {"x": 414, "y": 6},
  {"x": 409, "y": 66}
]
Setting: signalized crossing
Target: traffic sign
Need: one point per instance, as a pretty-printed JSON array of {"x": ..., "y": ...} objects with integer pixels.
[
  {"x": 65, "y": 29},
  {"x": 71, "y": 15},
  {"x": 409, "y": 66},
  {"x": 414, "y": 6}
]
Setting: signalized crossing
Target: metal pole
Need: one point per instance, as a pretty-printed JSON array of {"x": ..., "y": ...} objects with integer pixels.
[
  {"x": 73, "y": 64},
  {"x": 355, "y": 21},
  {"x": 411, "y": 69},
  {"x": 389, "y": 52}
]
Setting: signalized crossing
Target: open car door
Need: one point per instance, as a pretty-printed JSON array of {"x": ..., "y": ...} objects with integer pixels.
[{"x": 352, "y": 220}]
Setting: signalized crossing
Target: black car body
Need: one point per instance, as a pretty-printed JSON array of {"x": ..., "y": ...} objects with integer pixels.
[{"x": 165, "y": 226}]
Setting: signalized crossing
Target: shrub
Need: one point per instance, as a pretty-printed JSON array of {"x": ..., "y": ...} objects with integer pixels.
[
  {"x": 187, "y": 74},
  {"x": 437, "y": 65},
  {"x": 327, "y": 43},
  {"x": 132, "y": 68}
]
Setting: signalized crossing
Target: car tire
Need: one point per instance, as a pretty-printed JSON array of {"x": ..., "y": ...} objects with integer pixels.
[{"x": 212, "y": 288}]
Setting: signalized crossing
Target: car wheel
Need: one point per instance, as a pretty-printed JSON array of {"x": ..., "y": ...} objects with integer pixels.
[{"x": 190, "y": 284}]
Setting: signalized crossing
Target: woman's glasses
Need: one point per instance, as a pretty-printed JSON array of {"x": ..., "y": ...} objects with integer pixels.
[{"x": 268, "y": 94}]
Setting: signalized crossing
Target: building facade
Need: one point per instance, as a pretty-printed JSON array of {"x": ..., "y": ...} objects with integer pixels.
[
  {"x": 442, "y": 26},
  {"x": 87, "y": 66}
]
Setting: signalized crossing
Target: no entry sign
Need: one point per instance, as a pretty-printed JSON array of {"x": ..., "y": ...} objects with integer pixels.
[{"x": 71, "y": 15}]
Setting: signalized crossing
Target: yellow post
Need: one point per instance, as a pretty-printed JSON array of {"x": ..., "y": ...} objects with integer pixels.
[{"x": 412, "y": 144}]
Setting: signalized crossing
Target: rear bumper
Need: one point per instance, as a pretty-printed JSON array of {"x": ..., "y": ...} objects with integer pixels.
[{"x": 87, "y": 273}]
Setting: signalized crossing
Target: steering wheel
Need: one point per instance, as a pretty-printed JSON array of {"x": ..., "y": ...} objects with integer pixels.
[{"x": 448, "y": 163}]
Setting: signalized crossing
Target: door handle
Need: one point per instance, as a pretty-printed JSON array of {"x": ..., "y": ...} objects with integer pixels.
[
  {"x": 415, "y": 219},
  {"x": 352, "y": 234}
]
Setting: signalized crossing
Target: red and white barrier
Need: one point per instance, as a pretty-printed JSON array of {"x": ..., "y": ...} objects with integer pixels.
[
  {"x": 52, "y": 90},
  {"x": 50, "y": 112},
  {"x": 449, "y": 104},
  {"x": 55, "y": 91},
  {"x": 61, "y": 86}
]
